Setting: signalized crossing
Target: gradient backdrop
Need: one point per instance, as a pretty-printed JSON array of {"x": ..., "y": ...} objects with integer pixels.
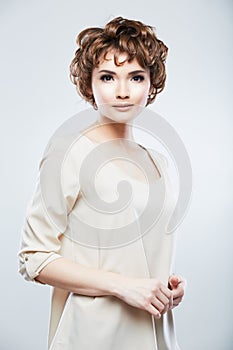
[{"x": 37, "y": 44}]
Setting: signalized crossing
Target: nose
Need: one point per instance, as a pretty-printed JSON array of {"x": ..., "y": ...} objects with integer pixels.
[{"x": 122, "y": 91}]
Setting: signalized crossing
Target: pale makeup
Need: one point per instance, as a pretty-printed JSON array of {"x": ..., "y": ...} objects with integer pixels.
[{"x": 122, "y": 88}]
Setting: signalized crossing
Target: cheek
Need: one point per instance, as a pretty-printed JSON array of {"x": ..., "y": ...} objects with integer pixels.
[
  {"x": 102, "y": 93},
  {"x": 142, "y": 93}
]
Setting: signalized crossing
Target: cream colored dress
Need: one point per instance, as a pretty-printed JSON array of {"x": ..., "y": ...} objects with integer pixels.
[{"x": 61, "y": 222}]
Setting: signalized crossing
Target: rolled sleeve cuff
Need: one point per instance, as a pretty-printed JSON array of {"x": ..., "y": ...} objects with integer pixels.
[{"x": 34, "y": 262}]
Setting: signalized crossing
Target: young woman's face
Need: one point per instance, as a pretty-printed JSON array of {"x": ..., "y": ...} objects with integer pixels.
[{"x": 120, "y": 87}]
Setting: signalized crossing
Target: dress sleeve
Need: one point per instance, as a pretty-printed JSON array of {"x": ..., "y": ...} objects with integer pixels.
[{"x": 56, "y": 192}]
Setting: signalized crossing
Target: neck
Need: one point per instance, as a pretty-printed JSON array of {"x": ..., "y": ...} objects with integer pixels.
[{"x": 112, "y": 130}]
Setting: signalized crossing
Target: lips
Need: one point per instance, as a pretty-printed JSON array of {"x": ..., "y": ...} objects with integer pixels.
[{"x": 123, "y": 106}]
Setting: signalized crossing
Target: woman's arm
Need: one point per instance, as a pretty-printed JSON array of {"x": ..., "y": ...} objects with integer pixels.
[{"x": 146, "y": 294}]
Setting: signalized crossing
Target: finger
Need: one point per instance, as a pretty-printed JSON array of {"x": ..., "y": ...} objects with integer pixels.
[
  {"x": 179, "y": 291},
  {"x": 181, "y": 280},
  {"x": 177, "y": 301},
  {"x": 158, "y": 304},
  {"x": 168, "y": 294},
  {"x": 153, "y": 311},
  {"x": 174, "y": 280},
  {"x": 166, "y": 302},
  {"x": 163, "y": 298}
]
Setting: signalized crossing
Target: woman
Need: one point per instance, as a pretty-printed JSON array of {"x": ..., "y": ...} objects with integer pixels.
[{"x": 111, "y": 291}]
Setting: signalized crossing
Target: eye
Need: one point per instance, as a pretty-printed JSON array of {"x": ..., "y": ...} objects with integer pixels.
[
  {"x": 138, "y": 78},
  {"x": 106, "y": 77}
]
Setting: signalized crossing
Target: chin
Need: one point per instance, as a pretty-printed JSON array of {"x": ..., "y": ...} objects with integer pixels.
[{"x": 120, "y": 115}]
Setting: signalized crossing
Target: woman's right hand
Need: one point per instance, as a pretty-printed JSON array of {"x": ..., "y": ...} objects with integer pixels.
[{"x": 148, "y": 294}]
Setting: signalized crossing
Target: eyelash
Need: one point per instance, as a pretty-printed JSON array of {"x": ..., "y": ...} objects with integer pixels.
[
  {"x": 109, "y": 77},
  {"x": 139, "y": 78},
  {"x": 106, "y": 77}
]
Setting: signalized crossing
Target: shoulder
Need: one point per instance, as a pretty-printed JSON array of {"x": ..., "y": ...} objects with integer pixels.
[{"x": 63, "y": 148}]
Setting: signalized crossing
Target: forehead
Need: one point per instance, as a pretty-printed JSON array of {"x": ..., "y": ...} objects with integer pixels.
[{"x": 107, "y": 61}]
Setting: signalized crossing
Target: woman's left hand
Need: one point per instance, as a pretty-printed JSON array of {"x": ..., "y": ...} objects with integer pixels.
[{"x": 177, "y": 285}]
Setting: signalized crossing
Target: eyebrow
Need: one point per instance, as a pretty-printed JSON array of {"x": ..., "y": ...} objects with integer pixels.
[{"x": 114, "y": 73}]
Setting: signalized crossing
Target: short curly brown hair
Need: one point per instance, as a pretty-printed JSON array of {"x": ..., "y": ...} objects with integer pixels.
[{"x": 123, "y": 36}]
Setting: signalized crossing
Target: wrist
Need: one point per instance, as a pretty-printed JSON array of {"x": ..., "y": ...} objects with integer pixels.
[{"x": 117, "y": 285}]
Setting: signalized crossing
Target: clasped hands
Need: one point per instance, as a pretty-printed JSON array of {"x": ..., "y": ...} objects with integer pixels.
[
  {"x": 151, "y": 295},
  {"x": 164, "y": 301}
]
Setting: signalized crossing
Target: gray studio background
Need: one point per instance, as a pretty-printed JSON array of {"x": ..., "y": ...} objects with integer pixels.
[{"x": 37, "y": 44}]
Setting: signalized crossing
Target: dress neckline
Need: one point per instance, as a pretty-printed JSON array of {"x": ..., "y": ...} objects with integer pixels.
[{"x": 157, "y": 167}]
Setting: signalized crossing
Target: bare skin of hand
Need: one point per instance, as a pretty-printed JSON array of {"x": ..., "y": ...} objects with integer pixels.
[
  {"x": 147, "y": 294},
  {"x": 177, "y": 286}
]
